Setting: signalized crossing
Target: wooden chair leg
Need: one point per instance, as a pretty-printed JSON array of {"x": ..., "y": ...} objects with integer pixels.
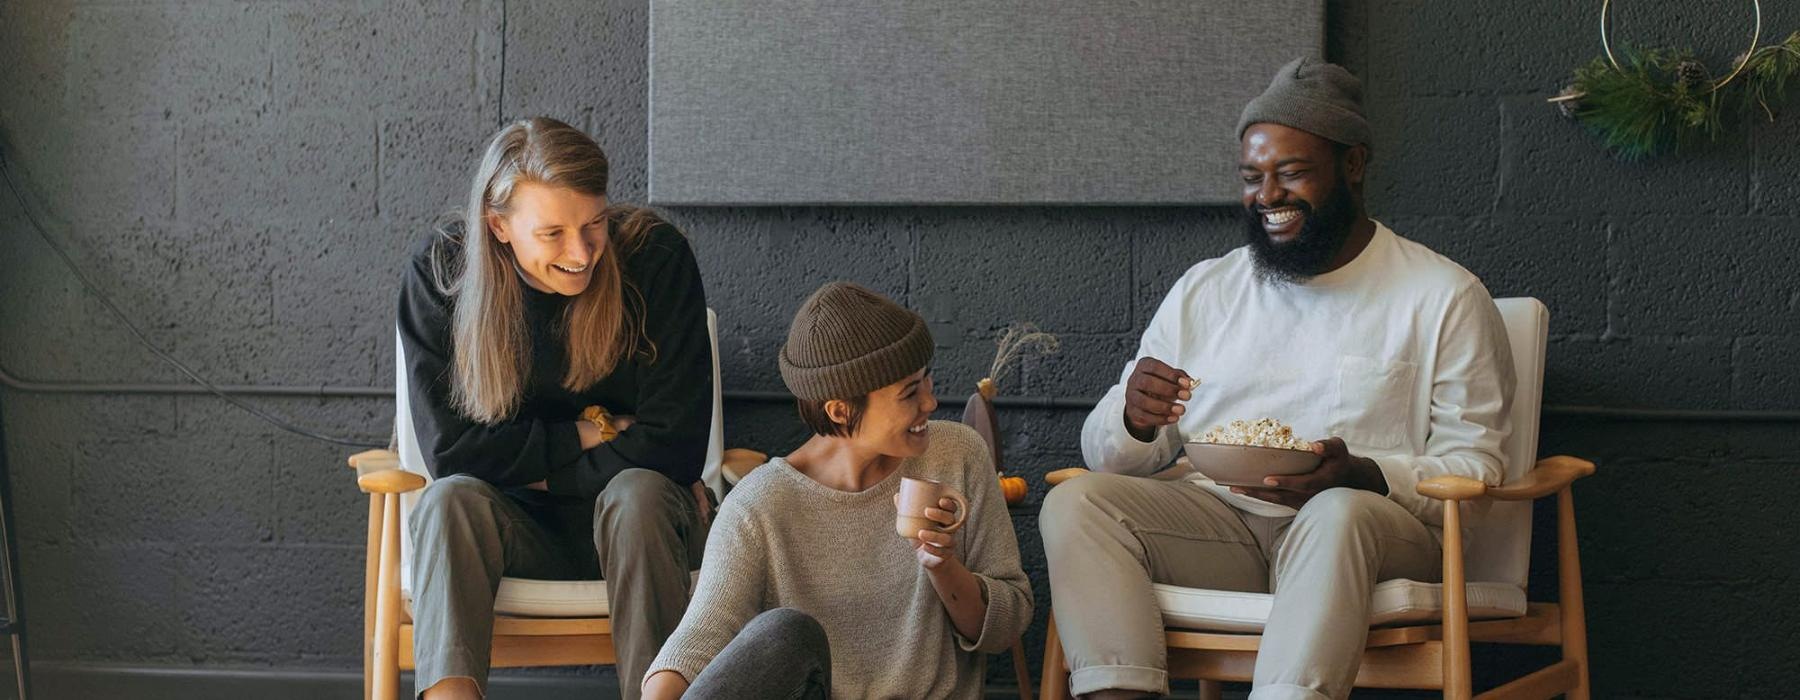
[
  {"x": 1568, "y": 568},
  {"x": 1212, "y": 690},
  {"x": 1457, "y": 676},
  {"x": 371, "y": 584},
  {"x": 387, "y": 604},
  {"x": 1020, "y": 670},
  {"x": 1055, "y": 682}
]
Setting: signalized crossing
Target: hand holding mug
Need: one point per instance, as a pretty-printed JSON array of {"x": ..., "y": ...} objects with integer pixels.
[
  {"x": 938, "y": 545},
  {"x": 930, "y": 512}
]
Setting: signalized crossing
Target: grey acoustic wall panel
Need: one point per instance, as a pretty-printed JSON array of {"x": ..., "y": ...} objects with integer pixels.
[{"x": 959, "y": 101}]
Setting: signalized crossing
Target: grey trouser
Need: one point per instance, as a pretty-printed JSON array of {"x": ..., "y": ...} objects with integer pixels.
[
  {"x": 782, "y": 653},
  {"x": 1108, "y": 537},
  {"x": 642, "y": 535}
]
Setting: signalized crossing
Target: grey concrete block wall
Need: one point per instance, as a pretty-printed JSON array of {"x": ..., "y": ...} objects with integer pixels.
[{"x": 241, "y": 177}]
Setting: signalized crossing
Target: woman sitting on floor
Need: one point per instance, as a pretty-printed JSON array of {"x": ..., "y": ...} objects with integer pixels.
[{"x": 808, "y": 591}]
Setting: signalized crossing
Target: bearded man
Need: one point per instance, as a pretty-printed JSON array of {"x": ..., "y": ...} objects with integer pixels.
[{"x": 1394, "y": 356}]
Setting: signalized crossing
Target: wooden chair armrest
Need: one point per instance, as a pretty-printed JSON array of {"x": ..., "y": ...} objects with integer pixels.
[
  {"x": 374, "y": 460},
  {"x": 390, "y": 481},
  {"x": 378, "y": 471},
  {"x": 1452, "y": 488},
  {"x": 1549, "y": 476},
  {"x": 737, "y": 463}
]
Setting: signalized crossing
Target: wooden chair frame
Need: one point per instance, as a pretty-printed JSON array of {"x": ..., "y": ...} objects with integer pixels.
[
  {"x": 387, "y": 630},
  {"x": 1432, "y": 657}
]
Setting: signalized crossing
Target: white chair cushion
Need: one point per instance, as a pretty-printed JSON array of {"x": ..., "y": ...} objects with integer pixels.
[
  {"x": 528, "y": 597},
  {"x": 534, "y": 598},
  {"x": 1400, "y": 601}
]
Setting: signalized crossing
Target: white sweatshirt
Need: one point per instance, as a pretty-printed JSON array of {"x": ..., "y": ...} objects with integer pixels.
[{"x": 1401, "y": 353}]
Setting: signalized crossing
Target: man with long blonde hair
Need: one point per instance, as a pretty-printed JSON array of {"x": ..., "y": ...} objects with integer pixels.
[{"x": 560, "y": 381}]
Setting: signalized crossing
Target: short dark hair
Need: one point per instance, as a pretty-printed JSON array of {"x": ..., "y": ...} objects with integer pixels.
[{"x": 813, "y": 414}]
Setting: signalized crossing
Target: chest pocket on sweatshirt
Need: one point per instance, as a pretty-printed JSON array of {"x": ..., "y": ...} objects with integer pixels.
[{"x": 1374, "y": 402}]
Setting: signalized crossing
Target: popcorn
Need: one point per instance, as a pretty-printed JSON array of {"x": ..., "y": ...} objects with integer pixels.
[{"x": 1265, "y": 432}]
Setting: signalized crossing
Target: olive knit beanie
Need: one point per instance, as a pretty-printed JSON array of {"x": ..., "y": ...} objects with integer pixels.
[
  {"x": 1312, "y": 96},
  {"x": 847, "y": 341}
]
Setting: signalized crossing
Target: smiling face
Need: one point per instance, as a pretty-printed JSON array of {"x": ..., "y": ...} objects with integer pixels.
[
  {"x": 1300, "y": 198},
  {"x": 556, "y": 233},
  {"x": 892, "y": 421}
]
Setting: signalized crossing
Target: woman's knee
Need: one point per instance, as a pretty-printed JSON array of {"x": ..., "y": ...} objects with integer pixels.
[
  {"x": 638, "y": 498},
  {"x": 787, "y": 621},
  {"x": 790, "y": 626},
  {"x": 452, "y": 499}
]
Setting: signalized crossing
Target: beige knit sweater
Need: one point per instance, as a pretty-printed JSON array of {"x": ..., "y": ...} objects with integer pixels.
[{"x": 784, "y": 540}]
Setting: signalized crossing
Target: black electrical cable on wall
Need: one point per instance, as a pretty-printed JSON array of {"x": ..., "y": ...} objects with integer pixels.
[{"x": 69, "y": 263}]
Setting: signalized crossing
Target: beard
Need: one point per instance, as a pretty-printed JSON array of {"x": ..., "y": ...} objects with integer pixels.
[{"x": 1309, "y": 253}]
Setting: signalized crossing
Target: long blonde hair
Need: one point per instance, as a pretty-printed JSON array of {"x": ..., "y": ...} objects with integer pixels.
[{"x": 490, "y": 343}]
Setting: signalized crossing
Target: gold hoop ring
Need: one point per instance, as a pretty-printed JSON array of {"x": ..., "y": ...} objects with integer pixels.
[{"x": 1606, "y": 42}]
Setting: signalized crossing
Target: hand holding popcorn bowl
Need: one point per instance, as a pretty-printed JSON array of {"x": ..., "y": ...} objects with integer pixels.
[{"x": 1243, "y": 453}]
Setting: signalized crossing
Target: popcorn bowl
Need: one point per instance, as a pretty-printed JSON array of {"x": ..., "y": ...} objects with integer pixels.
[{"x": 1247, "y": 465}]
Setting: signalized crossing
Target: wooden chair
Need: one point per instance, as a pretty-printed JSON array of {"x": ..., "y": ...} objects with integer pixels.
[
  {"x": 537, "y": 623},
  {"x": 1421, "y": 632}
]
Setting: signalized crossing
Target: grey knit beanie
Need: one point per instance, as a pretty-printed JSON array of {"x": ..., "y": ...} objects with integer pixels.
[
  {"x": 847, "y": 341},
  {"x": 1313, "y": 96}
]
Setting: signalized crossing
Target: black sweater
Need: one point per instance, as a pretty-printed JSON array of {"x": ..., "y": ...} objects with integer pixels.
[{"x": 670, "y": 394}]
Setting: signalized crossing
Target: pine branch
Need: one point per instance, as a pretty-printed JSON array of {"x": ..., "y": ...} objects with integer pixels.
[
  {"x": 1639, "y": 110},
  {"x": 1767, "y": 74},
  {"x": 1661, "y": 101}
]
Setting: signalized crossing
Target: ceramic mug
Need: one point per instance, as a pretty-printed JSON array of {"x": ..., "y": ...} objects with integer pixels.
[{"x": 918, "y": 494}]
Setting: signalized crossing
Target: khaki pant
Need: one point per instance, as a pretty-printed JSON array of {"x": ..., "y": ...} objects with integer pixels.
[
  {"x": 1108, "y": 537},
  {"x": 642, "y": 535}
]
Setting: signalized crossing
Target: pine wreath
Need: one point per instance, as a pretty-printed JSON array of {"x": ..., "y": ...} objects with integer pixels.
[{"x": 1660, "y": 101}]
